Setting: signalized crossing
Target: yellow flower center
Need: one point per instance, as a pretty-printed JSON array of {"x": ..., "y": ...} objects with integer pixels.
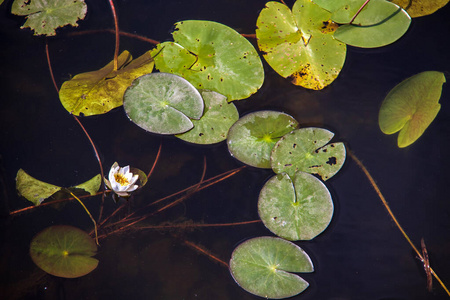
[{"x": 121, "y": 179}]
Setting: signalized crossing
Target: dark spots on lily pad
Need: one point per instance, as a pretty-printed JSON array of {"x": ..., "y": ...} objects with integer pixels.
[{"x": 332, "y": 161}]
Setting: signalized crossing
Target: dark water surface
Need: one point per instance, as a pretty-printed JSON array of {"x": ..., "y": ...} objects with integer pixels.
[{"x": 361, "y": 255}]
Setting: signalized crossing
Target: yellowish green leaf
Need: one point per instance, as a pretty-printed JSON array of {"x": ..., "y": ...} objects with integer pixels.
[
  {"x": 97, "y": 92},
  {"x": 419, "y": 8},
  {"x": 411, "y": 106},
  {"x": 32, "y": 189},
  {"x": 299, "y": 44},
  {"x": 92, "y": 185}
]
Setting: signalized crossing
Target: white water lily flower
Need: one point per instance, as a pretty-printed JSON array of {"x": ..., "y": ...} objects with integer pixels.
[{"x": 121, "y": 180}]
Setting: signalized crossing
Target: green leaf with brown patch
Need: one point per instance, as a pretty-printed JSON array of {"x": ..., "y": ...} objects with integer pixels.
[
  {"x": 420, "y": 8},
  {"x": 44, "y": 16},
  {"x": 299, "y": 44}
]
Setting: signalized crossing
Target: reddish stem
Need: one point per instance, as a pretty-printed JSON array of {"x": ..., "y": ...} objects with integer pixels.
[
  {"x": 359, "y": 10},
  {"x": 127, "y": 34},
  {"x": 50, "y": 66},
  {"x": 205, "y": 252},
  {"x": 116, "y": 28},
  {"x": 156, "y": 160}
]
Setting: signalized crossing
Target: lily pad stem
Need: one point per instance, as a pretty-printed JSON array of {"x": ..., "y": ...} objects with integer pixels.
[
  {"x": 93, "y": 221},
  {"x": 385, "y": 204},
  {"x": 117, "y": 33},
  {"x": 359, "y": 10}
]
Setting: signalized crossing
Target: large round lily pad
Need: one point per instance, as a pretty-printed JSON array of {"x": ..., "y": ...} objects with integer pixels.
[
  {"x": 64, "y": 251},
  {"x": 306, "y": 150},
  {"x": 217, "y": 119},
  {"x": 299, "y": 44},
  {"x": 253, "y": 136},
  {"x": 379, "y": 23},
  {"x": 295, "y": 209},
  {"x": 411, "y": 106},
  {"x": 212, "y": 56},
  {"x": 163, "y": 103},
  {"x": 262, "y": 266}
]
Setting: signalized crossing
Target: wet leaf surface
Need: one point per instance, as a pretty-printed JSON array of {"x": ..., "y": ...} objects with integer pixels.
[
  {"x": 45, "y": 16},
  {"x": 213, "y": 126},
  {"x": 306, "y": 150},
  {"x": 163, "y": 103},
  {"x": 295, "y": 208},
  {"x": 212, "y": 56},
  {"x": 262, "y": 266},
  {"x": 299, "y": 44},
  {"x": 253, "y": 136},
  {"x": 64, "y": 251}
]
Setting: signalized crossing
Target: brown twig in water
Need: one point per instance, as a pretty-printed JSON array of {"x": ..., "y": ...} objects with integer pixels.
[
  {"x": 135, "y": 220},
  {"x": 51, "y": 202},
  {"x": 50, "y": 66},
  {"x": 391, "y": 214},
  {"x": 249, "y": 35},
  {"x": 426, "y": 265},
  {"x": 205, "y": 252},
  {"x": 155, "y": 161}
]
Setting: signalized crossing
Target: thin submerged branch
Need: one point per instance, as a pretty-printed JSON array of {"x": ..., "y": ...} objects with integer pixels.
[
  {"x": 84, "y": 130},
  {"x": 391, "y": 214},
  {"x": 90, "y": 216},
  {"x": 202, "y": 250}
]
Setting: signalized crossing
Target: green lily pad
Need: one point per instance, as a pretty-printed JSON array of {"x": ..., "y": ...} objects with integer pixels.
[
  {"x": 374, "y": 12},
  {"x": 163, "y": 103},
  {"x": 379, "y": 23},
  {"x": 262, "y": 266},
  {"x": 45, "y": 16},
  {"x": 411, "y": 106},
  {"x": 64, "y": 251},
  {"x": 100, "y": 91},
  {"x": 306, "y": 150},
  {"x": 91, "y": 186},
  {"x": 212, "y": 56},
  {"x": 253, "y": 136},
  {"x": 419, "y": 8},
  {"x": 295, "y": 209},
  {"x": 217, "y": 119},
  {"x": 299, "y": 44},
  {"x": 32, "y": 189}
]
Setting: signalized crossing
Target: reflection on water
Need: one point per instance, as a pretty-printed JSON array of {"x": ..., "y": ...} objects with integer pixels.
[{"x": 360, "y": 256}]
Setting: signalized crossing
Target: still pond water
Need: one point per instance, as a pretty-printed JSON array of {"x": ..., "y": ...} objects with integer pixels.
[{"x": 361, "y": 255}]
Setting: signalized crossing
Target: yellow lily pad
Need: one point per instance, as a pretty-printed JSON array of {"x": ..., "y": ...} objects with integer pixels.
[
  {"x": 98, "y": 92},
  {"x": 420, "y": 8}
]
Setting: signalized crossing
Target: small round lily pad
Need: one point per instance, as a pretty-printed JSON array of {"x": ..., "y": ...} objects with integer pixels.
[
  {"x": 64, "y": 251},
  {"x": 262, "y": 266},
  {"x": 252, "y": 137},
  {"x": 163, "y": 103},
  {"x": 295, "y": 209},
  {"x": 306, "y": 150}
]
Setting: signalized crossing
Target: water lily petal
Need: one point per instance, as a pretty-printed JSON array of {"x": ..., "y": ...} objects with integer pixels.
[{"x": 132, "y": 188}]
